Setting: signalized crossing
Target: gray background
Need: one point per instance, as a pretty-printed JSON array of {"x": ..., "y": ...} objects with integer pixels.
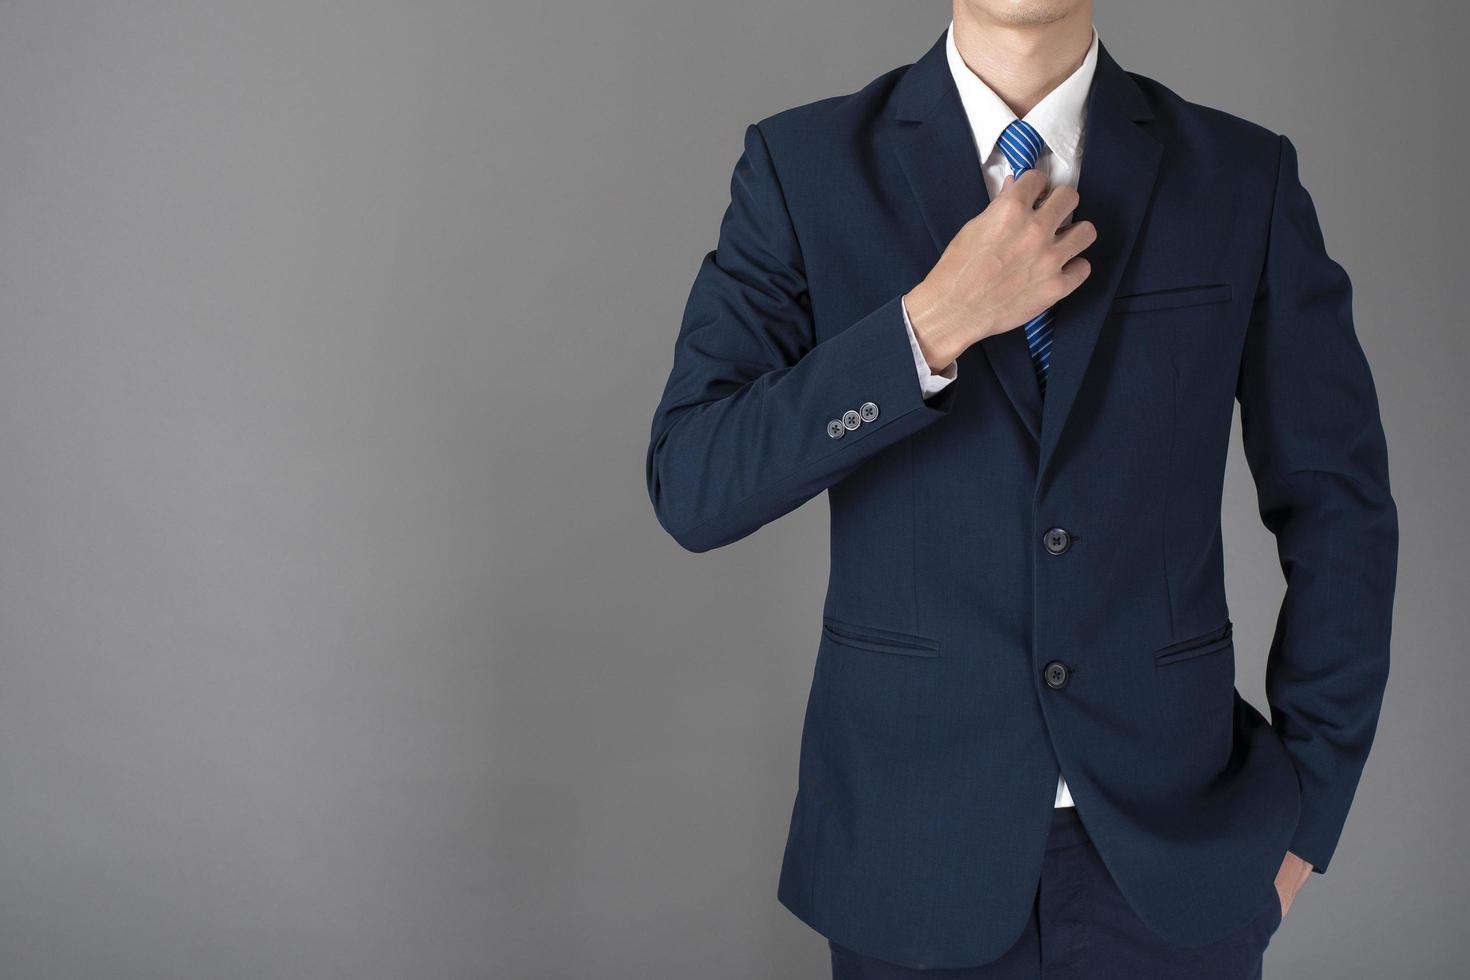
[{"x": 337, "y": 637}]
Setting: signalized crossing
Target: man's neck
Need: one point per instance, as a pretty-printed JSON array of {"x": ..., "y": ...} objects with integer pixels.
[{"x": 1022, "y": 62}]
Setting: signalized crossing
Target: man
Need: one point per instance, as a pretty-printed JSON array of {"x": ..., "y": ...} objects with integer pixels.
[{"x": 999, "y": 304}]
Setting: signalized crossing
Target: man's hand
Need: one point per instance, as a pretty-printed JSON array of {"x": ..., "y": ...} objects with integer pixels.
[
  {"x": 1289, "y": 880},
  {"x": 1006, "y": 265}
]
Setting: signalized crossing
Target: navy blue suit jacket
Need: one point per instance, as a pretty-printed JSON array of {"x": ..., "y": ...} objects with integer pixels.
[{"x": 932, "y": 740}]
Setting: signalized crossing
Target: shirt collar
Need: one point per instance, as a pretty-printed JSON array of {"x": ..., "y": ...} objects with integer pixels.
[{"x": 1059, "y": 117}]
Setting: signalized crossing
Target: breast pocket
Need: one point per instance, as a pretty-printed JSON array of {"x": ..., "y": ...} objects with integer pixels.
[{"x": 1173, "y": 298}]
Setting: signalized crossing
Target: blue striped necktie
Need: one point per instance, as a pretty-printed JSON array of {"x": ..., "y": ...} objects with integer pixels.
[{"x": 1022, "y": 144}]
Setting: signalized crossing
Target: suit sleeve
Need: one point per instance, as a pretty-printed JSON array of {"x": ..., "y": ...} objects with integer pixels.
[
  {"x": 1315, "y": 445},
  {"x": 740, "y": 436}
]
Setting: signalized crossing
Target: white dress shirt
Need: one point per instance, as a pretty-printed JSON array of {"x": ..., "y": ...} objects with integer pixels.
[{"x": 1060, "y": 118}]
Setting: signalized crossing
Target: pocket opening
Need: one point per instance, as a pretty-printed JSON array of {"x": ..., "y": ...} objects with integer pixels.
[
  {"x": 1170, "y": 299},
  {"x": 1214, "y": 641},
  {"x": 878, "y": 639}
]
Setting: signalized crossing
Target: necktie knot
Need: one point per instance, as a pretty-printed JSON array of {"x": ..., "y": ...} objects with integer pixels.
[{"x": 1021, "y": 144}]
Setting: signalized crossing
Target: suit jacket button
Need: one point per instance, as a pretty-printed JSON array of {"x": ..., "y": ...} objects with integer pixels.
[
  {"x": 1057, "y": 540},
  {"x": 1056, "y": 675},
  {"x": 868, "y": 410},
  {"x": 836, "y": 429},
  {"x": 851, "y": 419}
]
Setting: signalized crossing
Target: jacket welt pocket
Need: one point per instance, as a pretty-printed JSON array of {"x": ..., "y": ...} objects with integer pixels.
[
  {"x": 880, "y": 640},
  {"x": 1214, "y": 641},
  {"x": 1168, "y": 299}
]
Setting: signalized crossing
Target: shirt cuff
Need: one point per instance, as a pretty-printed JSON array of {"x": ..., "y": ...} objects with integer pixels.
[{"x": 930, "y": 381}]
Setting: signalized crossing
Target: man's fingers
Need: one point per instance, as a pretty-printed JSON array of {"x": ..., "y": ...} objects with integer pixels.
[
  {"x": 1076, "y": 237},
  {"x": 1073, "y": 273},
  {"x": 1060, "y": 202},
  {"x": 1028, "y": 187}
]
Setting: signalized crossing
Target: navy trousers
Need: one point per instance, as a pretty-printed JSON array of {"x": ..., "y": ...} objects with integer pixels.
[{"x": 1081, "y": 928}]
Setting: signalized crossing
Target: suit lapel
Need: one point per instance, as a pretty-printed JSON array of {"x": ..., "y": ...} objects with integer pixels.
[
  {"x": 937, "y": 153},
  {"x": 1120, "y": 163}
]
